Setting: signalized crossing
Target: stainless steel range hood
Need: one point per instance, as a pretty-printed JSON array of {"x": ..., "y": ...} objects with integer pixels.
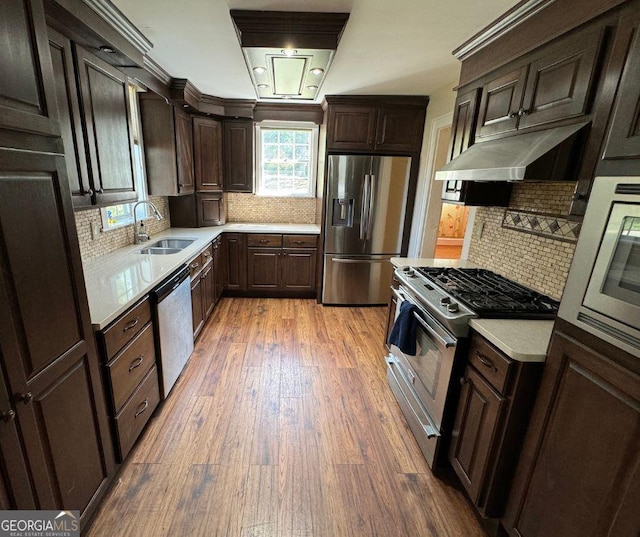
[{"x": 548, "y": 155}]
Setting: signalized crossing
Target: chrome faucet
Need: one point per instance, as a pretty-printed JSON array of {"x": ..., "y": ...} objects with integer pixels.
[{"x": 140, "y": 236}]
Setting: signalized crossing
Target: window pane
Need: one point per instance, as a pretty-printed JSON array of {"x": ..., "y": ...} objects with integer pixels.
[
  {"x": 270, "y": 136},
  {"x": 286, "y": 137},
  {"x": 302, "y": 137},
  {"x": 302, "y": 152}
]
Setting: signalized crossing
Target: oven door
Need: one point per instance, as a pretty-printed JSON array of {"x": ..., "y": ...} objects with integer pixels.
[
  {"x": 429, "y": 370},
  {"x": 614, "y": 286}
]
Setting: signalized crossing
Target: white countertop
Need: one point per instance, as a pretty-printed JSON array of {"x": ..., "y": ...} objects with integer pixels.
[
  {"x": 116, "y": 280},
  {"x": 523, "y": 340}
]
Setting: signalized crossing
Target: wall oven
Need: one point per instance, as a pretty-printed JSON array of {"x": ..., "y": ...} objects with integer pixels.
[
  {"x": 421, "y": 382},
  {"x": 602, "y": 294}
]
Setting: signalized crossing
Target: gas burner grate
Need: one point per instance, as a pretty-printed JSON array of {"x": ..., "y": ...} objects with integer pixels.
[{"x": 490, "y": 295}]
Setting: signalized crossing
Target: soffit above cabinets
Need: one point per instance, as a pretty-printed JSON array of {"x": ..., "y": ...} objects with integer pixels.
[{"x": 288, "y": 54}]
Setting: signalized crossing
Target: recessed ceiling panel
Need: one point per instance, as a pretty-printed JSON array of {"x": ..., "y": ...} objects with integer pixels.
[{"x": 288, "y": 74}]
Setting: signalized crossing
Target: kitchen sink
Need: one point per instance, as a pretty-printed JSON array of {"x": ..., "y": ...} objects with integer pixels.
[
  {"x": 180, "y": 244},
  {"x": 160, "y": 251}
]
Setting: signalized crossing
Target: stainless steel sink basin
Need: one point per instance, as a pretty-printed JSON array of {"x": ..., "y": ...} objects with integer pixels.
[
  {"x": 172, "y": 243},
  {"x": 160, "y": 251}
]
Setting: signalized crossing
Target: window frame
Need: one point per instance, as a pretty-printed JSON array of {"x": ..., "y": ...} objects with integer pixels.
[{"x": 314, "y": 129}]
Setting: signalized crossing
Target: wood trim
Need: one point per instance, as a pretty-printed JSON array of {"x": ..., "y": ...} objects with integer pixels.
[
  {"x": 289, "y": 112},
  {"x": 389, "y": 100},
  {"x": 157, "y": 70},
  {"x": 238, "y": 108}
]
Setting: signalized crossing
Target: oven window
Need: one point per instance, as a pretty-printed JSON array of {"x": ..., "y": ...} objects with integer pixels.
[
  {"x": 623, "y": 277},
  {"x": 427, "y": 362}
]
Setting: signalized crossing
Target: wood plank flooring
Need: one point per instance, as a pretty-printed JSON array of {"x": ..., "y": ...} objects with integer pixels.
[{"x": 282, "y": 425}]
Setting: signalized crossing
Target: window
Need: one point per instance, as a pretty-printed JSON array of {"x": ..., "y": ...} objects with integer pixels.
[
  {"x": 122, "y": 215},
  {"x": 286, "y": 159}
]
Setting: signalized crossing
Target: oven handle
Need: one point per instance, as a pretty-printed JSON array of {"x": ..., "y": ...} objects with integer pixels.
[
  {"x": 448, "y": 343},
  {"x": 397, "y": 294}
]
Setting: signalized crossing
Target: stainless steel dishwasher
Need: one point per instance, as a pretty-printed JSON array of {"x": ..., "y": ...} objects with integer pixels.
[{"x": 174, "y": 326}]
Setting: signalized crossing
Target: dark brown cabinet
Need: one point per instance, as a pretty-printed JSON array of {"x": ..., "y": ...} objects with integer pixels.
[
  {"x": 493, "y": 409},
  {"x": 281, "y": 264},
  {"x": 107, "y": 128},
  {"x": 207, "y": 152},
  {"x": 235, "y": 268},
  {"x": 218, "y": 268},
  {"x": 168, "y": 147},
  {"x": 379, "y": 125},
  {"x": 622, "y": 150},
  {"x": 49, "y": 358},
  {"x": 128, "y": 353},
  {"x": 556, "y": 83},
  {"x": 580, "y": 467},
  {"x": 67, "y": 98},
  {"x": 203, "y": 297},
  {"x": 196, "y": 306},
  {"x": 27, "y": 93},
  {"x": 197, "y": 210},
  {"x": 463, "y": 131},
  {"x": 238, "y": 155}
]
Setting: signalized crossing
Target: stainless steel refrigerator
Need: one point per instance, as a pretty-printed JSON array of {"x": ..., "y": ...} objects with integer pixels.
[{"x": 365, "y": 210}]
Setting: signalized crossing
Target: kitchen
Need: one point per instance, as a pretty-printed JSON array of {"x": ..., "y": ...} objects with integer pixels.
[{"x": 576, "y": 120}]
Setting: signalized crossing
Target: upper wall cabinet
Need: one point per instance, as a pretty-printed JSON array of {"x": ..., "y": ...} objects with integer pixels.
[
  {"x": 622, "y": 151},
  {"x": 27, "y": 95},
  {"x": 378, "y": 125},
  {"x": 238, "y": 155},
  {"x": 207, "y": 152},
  {"x": 554, "y": 84},
  {"x": 168, "y": 147}
]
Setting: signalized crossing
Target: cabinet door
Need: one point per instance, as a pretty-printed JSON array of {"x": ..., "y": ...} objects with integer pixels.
[
  {"x": 196, "y": 306},
  {"x": 238, "y": 156},
  {"x": 210, "y": 209},
  {"x": 560, "y": 79},
  {"x": 184, "y": 152},
  {"x": 299, "y": 270},
  {"x": 27, "y": 93},
  {"x": 263, "y": 268},
  {"x": 46, "y": 341},
  {"x": 400, "y": 128},
  {"x": 479, "y": 410},
  {"x": 235, "y": 268},
  {"x": 70, "y": 119},
  {"x": 624, "y": 135},
  {"x": 207, "y": 150},
  {"x": 105, "y": 104},
  {"x": 500, "y": 103},
  {"x": 352, "y": 127},
  {"x": 208, "y": 290},
  {"x": 218, "y": 268},
  {"x": 579, "y": 470}
]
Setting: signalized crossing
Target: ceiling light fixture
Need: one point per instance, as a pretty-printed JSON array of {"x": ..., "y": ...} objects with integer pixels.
[{"x": 288, "y": 53}]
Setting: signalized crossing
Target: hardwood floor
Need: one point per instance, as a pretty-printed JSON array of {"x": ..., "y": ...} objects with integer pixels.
[{"x": 283, "y": 425}]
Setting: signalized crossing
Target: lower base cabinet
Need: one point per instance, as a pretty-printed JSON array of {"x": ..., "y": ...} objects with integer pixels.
[{"x": 579, "y": 473}]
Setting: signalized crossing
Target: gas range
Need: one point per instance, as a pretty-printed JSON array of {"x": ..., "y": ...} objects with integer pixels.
[{"x": 455, "y": 295}]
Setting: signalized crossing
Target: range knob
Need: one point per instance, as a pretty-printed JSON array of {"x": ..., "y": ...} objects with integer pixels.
[
  {"x": 409, "y": 271},
  {"x": 445, "y": 300},
  {"x": 453, "y": 308}
]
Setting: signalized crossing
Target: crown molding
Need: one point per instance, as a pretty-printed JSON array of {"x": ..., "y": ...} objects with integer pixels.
[
  {"x": 157, "y": 71},
  {"x": 289, "y": 112},
  {"x": 507, "y": 22}
]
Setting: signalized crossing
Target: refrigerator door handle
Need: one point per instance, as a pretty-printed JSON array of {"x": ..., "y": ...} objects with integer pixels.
[
  {"x": 352, "y": 261},
  {"x": 364, "y": 207},
  {"x": 372, "y": 181}
]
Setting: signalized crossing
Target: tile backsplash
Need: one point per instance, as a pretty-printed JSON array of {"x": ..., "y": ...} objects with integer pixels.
[
  {"x": 107, "y": 241},
  {"x": 262, "y": 209},
  {"x": 539, "y": 262}
]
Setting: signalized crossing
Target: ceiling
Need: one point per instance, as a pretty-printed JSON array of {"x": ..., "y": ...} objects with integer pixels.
[{"x": 388, "y": 46}]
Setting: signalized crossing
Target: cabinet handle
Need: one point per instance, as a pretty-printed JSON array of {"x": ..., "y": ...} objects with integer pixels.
[
  {"x": 100, "y": 190},
  {"x": 463, "y": 381},
  {"x": 26, "y": 398},
  {"x": 486, "y": 361},
  {"x": 523, "y": 112},
  {"x": 512, "y": 114},
  {"x": 90, "y": 192},
  {"x": 263, "y": 241},
  {"x": 8, "y": 416},
  {"x": 194, "y": 265},
  {"x": 131, "y": 324},
  {"x": 136, "y": 363},
  {"x": 298, "y": 242},
  {"x": 143, "y": 406}
]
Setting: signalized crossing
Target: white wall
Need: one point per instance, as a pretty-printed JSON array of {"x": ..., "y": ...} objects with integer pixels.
[{"x": 427, "y": 204}]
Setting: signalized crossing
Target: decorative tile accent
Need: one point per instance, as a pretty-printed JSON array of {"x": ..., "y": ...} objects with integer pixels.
[
  {"x": 113, "y": 239},
  {"x": 548, "y": 225},
  {"x": 538, "y": 258},
  {"x": 261, "y": 209}
]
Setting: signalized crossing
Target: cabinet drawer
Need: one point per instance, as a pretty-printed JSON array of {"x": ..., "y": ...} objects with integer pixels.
[
  {"x": 490, "y": 362},
  {"x": 262, "y": 240},
  {"x": 136, "y": 412},
  {"x": 299, "y": 241},
  {"x": 126, "y": 327},
  {"x": 206, "y": 255},
  {"x": 195, "y": 266},
  {"x": 128, "y": 368}
]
